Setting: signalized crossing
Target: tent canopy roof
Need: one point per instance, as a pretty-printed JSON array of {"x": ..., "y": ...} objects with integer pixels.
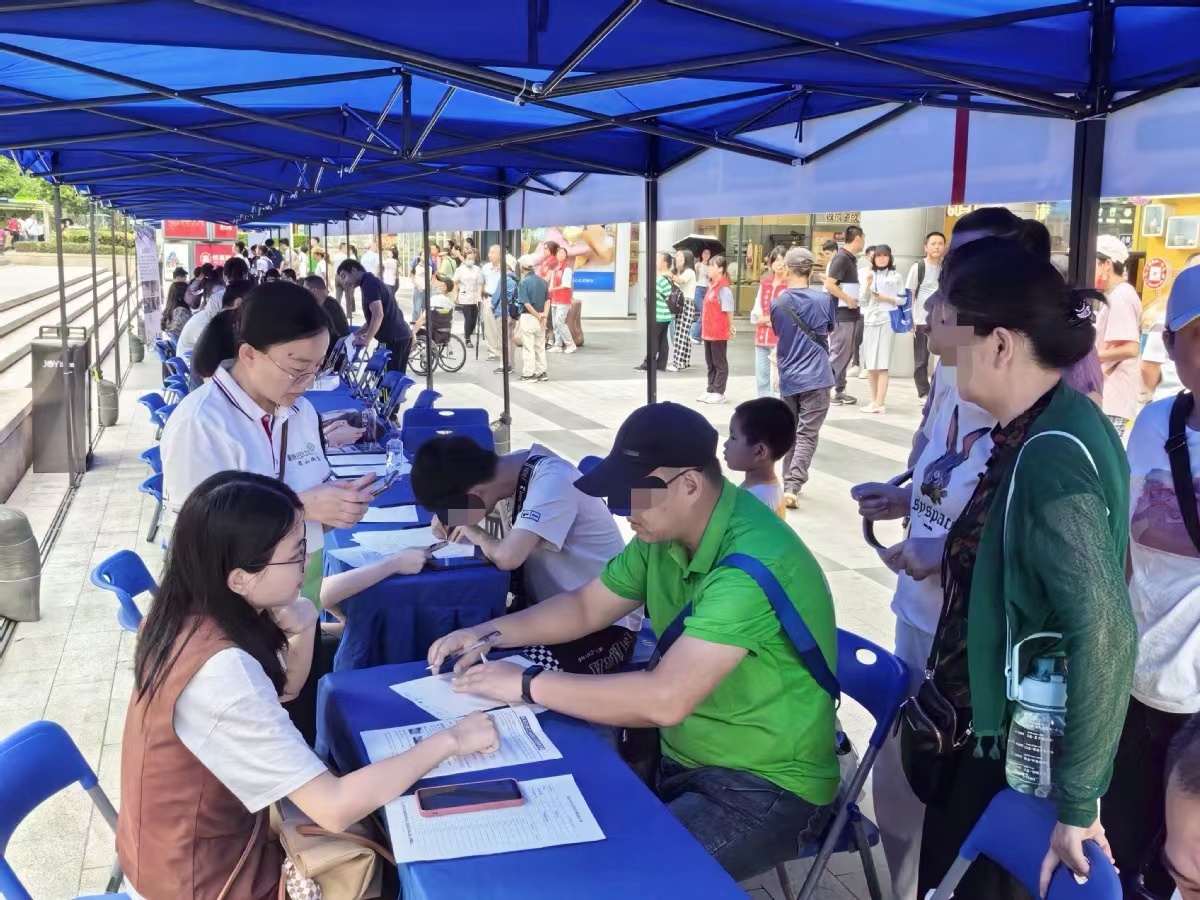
[{"x": 237, "y": 110}]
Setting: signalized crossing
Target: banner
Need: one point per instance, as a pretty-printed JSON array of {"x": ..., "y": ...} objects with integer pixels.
[
  {"x": 591, "y": 252},
  {"x": 177, "y": 256},
  {"x": 213, "y": 253},
  {"x": 195, "y": 229},
  {"x": 147, "y": 254},
  {"x": 224, "y": 232}
]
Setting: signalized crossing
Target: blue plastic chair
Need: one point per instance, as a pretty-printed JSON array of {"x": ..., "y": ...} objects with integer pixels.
[
  {"x": 1014, "y": 832},
  {"x": 153, "y": 486},
  {"x": 426, "y": 399},
  {"x": 178, "y": 366},
  {"x": 176, "y": 388},
  {"x": 878, "y": 681},
  {"x": 171, "y": 341},
  {"x": 162, "y": 350},
  {"x": 36, "y": 763},
  {"x": 396, "y": 386},
  {"x": 152, "y": 458},
  {"x": 153, "y": 403},
  {"x": 125, "y": 575},
  {"x": 444, "y": 417},
  {"x": 161, "y": 415},
  {"x": 372, "y": 375},
  {"x": 415, "y": 438}
]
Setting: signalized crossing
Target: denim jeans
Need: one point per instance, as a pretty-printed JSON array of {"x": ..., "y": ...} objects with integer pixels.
[
  {"x": 699, "y": 313},
  {"x": 762, "y": 371},
  {"x": 747, "y": 823}
]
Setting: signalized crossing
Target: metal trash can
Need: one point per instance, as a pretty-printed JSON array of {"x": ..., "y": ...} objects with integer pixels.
[
  {"x": 50, "y": 400},
  {"x": 502, "y": 435},
  {"x": 108, "y": 401},
  {"x": 20, "y": 568}
]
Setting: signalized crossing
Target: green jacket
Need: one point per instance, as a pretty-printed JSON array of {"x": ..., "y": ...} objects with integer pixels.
[{"x": 1063, "y": 570}]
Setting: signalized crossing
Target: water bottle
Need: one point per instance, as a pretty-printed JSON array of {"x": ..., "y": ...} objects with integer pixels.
[
  {"x": 1035, "y": 735},
  {"x": 370, "y": 424},
  {"x": 395, "y": 455}
]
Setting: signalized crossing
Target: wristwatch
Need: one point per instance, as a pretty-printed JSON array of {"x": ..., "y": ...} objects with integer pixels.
[{"x": 527, "y": 678}]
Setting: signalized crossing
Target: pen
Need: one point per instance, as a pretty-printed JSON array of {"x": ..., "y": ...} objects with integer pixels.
[{"x": 482, "y": 642}]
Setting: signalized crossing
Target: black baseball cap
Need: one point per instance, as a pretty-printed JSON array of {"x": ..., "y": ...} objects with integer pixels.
[{"x": 659, "y": 435}]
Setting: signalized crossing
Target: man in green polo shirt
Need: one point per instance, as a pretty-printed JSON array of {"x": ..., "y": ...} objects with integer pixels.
[{"x": 747, "y": 735}]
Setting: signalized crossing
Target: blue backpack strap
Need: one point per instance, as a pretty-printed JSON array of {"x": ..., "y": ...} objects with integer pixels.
[
  {"x": 669, "y": 637},
  {"x": 790, "y": 619}
]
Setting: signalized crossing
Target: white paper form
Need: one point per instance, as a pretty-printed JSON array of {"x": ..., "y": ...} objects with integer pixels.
[
  {"x": 521, "y": 741},
  {"x": 357, "y": 557},
  {"x": 342, "y": 460},
  {"x": 359, "y": 469},
  {"x": 554, "y": 813},
  {"x": 381, "y": 515},
  {"x": 395, "y": 540},
  {"x": 435, "y": 695}
]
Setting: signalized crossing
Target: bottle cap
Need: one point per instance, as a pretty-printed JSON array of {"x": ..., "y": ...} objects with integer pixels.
[{"x": 1045, "y": 692}]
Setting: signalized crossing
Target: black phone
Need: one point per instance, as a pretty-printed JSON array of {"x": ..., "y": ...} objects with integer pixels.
[{"x": 473, "y": 797}]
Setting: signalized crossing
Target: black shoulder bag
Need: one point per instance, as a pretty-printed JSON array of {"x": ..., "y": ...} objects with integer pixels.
[
  {"x": 1181, "y": 464},
  {"x": 516, "y": 584}
]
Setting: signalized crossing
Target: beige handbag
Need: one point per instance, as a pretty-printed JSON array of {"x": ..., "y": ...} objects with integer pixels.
[{"x": 324, "y": 865}]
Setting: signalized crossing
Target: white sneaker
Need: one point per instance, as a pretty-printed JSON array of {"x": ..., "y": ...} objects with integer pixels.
[
  {"x": 715, "y": 398},
  {"x": 703, "y": 398},
  {"x": 555, "y": 349},
  {"x": 861, "y": 375},
  {"x": 570, "y": 350},
  {"x": 672, "y": 369},
  {"x": 854, "y": 372}
]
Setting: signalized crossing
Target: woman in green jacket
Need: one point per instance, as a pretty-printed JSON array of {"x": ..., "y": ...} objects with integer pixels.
[{"x": 1010, "y": 324}]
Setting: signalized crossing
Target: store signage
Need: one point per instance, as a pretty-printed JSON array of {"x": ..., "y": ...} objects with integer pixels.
[
  {"x": 224, "y": 232},
  {"x": 195, "y": 229},
  {"x": 1117, "y": 214},
  {"x": 1156, "y": 273},
  {"x": 841, "y": 218},
  {"x": 213, "y": 253}
]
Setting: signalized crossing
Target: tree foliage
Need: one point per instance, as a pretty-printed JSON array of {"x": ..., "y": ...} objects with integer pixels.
[{"x": 19, "y": 187}]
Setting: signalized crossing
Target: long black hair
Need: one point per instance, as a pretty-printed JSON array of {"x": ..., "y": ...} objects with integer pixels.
[
  {"x": 279, "y": 312},
  {"x": 996, "y": 282},
  {"x": 233, "y": 520},
  {"x": 176, "y": 299},
  {"x": 689, "y": 260}
]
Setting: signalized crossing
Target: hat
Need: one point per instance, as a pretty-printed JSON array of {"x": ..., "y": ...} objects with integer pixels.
[
  {"x": 1183, "y": 305},
  {"x": 528, "y": 261},
  {"x": 798, "y": 256},
  {"x": 658, "y": 435},
  {"x": 1113, "y": 248}
]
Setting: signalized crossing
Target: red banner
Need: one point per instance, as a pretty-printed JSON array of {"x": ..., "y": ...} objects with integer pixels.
[
  {"x": 174, "y": 229},
  {"x": 213, "y": 253},
  {"x": 224, "y": 232}
]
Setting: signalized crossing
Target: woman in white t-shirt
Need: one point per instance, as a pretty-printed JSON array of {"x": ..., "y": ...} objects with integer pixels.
[
  {"x": 209, "y": 746},
  {"x": 882, "y": 288},
  {"x": 468, "y": 292},
  {"x": 391, "y": 268}
]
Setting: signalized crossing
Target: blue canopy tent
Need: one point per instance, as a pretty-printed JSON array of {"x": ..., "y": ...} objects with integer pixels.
[{"x": 322, "y": 117}]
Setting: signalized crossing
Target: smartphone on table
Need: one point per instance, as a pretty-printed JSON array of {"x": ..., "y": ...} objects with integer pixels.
[
  {"x": 379, "y": 485},
  {"x": 471, "y": 797}
]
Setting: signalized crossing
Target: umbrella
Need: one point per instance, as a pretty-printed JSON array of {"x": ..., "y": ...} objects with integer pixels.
[{"x": 698, "y": 242}]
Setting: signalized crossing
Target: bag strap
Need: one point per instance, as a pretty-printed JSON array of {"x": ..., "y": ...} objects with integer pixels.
[
  {"x": 241, "y": 863},
  {"x": 812, "y": 335},
  {"x": 523, "y": 486},
  {"x": 283, "y": 448},
  {"x": 351, "y": 837},
  {"x": 920, "y": 274},
  {"x": 1181, "y": 464}
]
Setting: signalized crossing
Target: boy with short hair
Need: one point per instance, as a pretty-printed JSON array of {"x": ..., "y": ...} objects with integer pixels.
[{"x": 761, "y": 433}]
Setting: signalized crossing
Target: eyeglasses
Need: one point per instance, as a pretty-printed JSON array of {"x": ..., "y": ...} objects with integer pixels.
[
  {"x": 301, "y": 561},
  {"x": 301, "y": 379},
  {"x": 650, "y": 491}
]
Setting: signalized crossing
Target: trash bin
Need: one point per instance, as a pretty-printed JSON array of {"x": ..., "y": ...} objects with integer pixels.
[
  {"x": 50, "y": 406},
  {"x": 20, "y": 568},
  {"x": 108, "y": 405}
]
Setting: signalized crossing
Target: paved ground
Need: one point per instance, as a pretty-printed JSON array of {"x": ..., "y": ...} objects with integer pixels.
[{"x": 74, "y": 666}]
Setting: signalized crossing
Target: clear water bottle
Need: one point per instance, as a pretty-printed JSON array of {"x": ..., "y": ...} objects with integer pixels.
[
  {"x": 395, "y": 455},
  {"x": 1035, "y": 735}
]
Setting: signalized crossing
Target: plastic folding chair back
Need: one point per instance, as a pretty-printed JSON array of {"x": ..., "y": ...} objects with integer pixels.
[
  {"x": 878, "y": 681},
  {"x": 171, "y": 340},
  {"x": 397, "y": 386},
  {"x": 372, "y": 373},
  {"x": 36, "y": 763},
  {"x": 161, "y": 415},
  {"x": 125, "y": 575},
  {"x": 178, "y": 366},
  {"x": 153, "y": 403},
  {"x": 152, "y": 458},
  {"x": 444, "y": 417},
  {"x": 153, "y": 486},
  {"x": 1014, "y": 832},
  {"x": 415, "y": 438},
  {"x": 176, "y": 387},
  {"x": 426, "y": 399},
  {"x": 163, "y": 351}
]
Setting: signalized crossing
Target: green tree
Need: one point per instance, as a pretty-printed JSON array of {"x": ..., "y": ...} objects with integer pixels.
[{"x": 17, "y": 186}]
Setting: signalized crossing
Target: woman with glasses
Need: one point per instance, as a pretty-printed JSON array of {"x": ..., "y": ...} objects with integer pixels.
[
  {"x": 252, "y": 416},
  {"x": 208, "y": 744}
]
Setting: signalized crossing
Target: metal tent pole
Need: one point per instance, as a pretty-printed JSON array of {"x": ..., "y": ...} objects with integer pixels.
[
  {"x": 428, "y": 288},
  {"x": 128, "y": 278},
  {"x": 349, "y": 298},
  {"x": 328, "y": 260},
  {"x": 68, "y": 392},
  {"x": 112, "y": 222},
  {"x": 95, "y": 283},
  {"x": 651, "y": 276},
  {"x": 379, "y": 244},
  {"x": 502, "y": 286}
]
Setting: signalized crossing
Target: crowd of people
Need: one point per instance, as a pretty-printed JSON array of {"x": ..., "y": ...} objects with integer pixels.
[{"x": 1028, "y": 523}]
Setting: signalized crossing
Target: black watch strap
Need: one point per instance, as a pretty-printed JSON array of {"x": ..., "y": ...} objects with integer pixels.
[{"x": 527, "y": 679}]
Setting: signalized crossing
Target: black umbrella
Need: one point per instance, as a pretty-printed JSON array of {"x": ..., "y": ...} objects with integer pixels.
[{"x": 699, "y": 242}]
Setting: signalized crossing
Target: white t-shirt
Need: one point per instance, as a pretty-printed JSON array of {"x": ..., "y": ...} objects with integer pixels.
[
  {"x": 216, "y": 300},
  {"x": 1120, "y": 320},
  {"x": 192, "y": 330},
  {"x": 262, "y": 265},
  {"x": 578, "y": 533},
  {"x": 389, "y": 269},
  {"x": 1155, "y": 351},
  {"x": 1165, "y": 587},
  {"x": 370, "y": 260},
  {"x": 886, "y": 282},
  {"x": 772, "y": 495},
  {"x": 923, "y": 291},
  {"x": 944, "y": 478},
  {"x": 470, "y": 284},
  {"x": 217, "y": 427}
]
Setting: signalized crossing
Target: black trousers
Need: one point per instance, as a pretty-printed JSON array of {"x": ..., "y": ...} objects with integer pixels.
[
  {"x": 860, "y": 329},
  {"x": 976, "y": 782},
  {"x": 1132, "y": 811},
  {"x": 921, "y": 359},
  {"x": 400, "y": 353},
  {"x": 303, "y": 710},
  {"x": 716, "y": 357},
  {"x": 662, "y": 347},
  {"x": 470, "y": 313}
]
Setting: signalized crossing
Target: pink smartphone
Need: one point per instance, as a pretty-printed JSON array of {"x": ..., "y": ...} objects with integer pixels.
[{"x": 472, "y": 797}]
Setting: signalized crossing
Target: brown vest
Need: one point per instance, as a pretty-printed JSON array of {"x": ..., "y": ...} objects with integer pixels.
[{"x": 181, "y": 832}]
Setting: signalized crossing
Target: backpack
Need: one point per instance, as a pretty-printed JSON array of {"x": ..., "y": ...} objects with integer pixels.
[{"x": 675, "y": 301}]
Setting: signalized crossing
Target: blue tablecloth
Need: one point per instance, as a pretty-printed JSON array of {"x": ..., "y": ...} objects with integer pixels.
[
  {"x": 397, "y": 619},
  {"x": 339, "y": 398},
  {"x": 646, "y": 853}
]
